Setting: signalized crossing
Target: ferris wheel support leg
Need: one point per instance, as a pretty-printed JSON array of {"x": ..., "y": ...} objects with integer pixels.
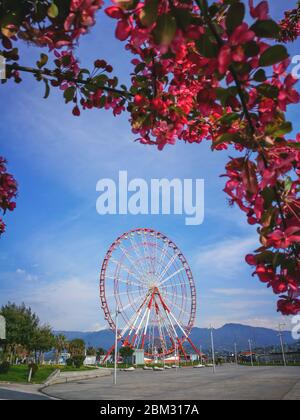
[
  {"x": 187, "y": 337},
  {"x": 110, "y": 351},
  {"x": 182, "y": 349}
]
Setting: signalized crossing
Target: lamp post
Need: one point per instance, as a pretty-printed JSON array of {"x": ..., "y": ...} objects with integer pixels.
[
  {"x": 235, "y": 353},
  {"x": 116, "y": 346},
  {"x": 282, "y": 345},
  {"x": 251, "y": 355},
  {"x": 213, "y": 348}
]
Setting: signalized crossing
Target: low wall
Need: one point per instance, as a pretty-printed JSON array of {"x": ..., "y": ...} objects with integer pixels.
[{"x": 59, "y": 377}]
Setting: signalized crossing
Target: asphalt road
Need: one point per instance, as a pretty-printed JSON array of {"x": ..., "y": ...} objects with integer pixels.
[
  {"x": 229, "y": 383},
  {"x": 7, "y": 393}
]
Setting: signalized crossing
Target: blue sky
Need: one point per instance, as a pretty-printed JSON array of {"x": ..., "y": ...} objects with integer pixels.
[{"x": 51, "y": 255}]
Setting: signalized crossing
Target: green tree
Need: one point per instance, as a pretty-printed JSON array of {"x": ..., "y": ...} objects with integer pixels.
[
  {"x": 60, "y": 345},
  {"x": 43, "y": 340},
  {"x": 77, "y": 347},
  {"x": 91, "y": 351},
  {"x": 21, "y": 325},
  {"x": 126, "y": 353},
  {"x": 101, "y": 352}
]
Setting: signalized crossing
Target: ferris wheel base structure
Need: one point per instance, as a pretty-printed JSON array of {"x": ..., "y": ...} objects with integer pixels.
[{"x": 147, "y": 285}]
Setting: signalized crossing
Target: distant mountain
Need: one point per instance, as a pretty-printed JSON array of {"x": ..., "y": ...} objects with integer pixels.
[{"x": 224, "y": 337}]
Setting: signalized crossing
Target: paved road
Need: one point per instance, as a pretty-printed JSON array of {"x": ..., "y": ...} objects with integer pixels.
[
  {"x": 229, "y": 383},
  {"x": 21, "y": 392}
]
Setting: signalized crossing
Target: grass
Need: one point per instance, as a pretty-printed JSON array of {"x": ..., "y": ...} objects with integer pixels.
[{"x": 19, "y": 374}]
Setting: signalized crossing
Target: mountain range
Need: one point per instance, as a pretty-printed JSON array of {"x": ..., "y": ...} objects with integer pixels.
[{"x": 224, "y": 337}]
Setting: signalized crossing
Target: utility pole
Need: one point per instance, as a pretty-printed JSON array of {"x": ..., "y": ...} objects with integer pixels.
[
  {"x": 213, "y": 348},
  {"x": 281, "y": 343},
  {"x": 251, "y": 355},
  {"x": 116, "y": 345},
  {"x": 201, "y": 359},
  {"x": 236, "y": 354}
]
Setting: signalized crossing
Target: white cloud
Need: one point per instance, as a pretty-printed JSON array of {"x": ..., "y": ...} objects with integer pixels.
[
  {"x": 225, "y": 259},
  {"x": 241, "y": 292},
  {"x": 67, "y": 304}
]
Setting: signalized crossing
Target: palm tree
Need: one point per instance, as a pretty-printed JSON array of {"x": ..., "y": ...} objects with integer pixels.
[{"x": 60, "y": 346}]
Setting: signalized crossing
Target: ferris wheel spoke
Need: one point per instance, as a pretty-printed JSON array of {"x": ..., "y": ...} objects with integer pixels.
[
  {"x": 171, "y": 261},
  {"x": 132, "y": 322},
  {"x": 134, "y": 265},
  {"x": 176, "y": 306},
  {"x": 161, "y": 333},
  {"x": 125, "y": 268},
  {"x": 171, "y": 295},
  {"x": 138, "y": 254},
  {"x": 168, "y": 328},
  {"x": 168, "y": 286},
  {"x": 123, "y": 309},
  {"x": 146, "y": 255},
  {"x": 137, "y": 337},
  {"x": 162, "y": 258},
  {"x": 132, "y": 292},
  {"x": 171, "y": 276},
  {"x": 123, "y": 281}
]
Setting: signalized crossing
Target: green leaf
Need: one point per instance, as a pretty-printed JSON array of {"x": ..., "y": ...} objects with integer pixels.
[
  {"x": 235, "y": 16},
  {"x": 69, "y": 93},
  {"x": 183, "y": 17},
  {"x": 47, "y": 89},
  {"x": 260, "y": 76},
  {"x": 43, "y": 61},
  {"x": 53, "y": 11},
  {"x": 273, "y": 55},
  {"x": 149, "y": 13},
  {"x": 165, "y": 30},
  {"x": 288, "y": 183},
  {"x": 268, "y": 91},
  {"x": 266, "y": 29},
  {"x": 294, "y": 145},
  {"x": 279, "y": 130},
  {"x": 229, "y": 118},
  {"x": 252, "y": 49},
  {"x": 206, "y": 47},
  {"x": 227, "y": 138}
]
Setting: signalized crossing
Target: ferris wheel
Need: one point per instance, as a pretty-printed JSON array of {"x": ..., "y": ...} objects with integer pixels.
[{"x": 146, "y": 278}]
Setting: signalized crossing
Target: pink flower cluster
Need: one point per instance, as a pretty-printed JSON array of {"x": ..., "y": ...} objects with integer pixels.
[
  {"x": 8, "y": 192},
  {"x": 178, "y": 95},
  {"x": 290, "y": 25},
  {"x": 63, "y": 33}
]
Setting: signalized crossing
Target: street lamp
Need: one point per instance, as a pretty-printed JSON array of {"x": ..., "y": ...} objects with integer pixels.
[
  {"x": 116, "y": 345},
  {"x": 235, "y": 353},
  {"x": 281, "y": 343},
  {"x": 213, "y": 348},
  {"x": 251, "y": 355}
]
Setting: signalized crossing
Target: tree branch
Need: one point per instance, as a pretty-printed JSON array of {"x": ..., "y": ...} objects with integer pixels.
[{"x": 55, "y": 75}]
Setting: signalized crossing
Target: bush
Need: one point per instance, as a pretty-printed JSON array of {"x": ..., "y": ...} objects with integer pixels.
[
  {"x": 69, "y": 362},
  {"x": 78, "y": 361},
  {"x": 34, "y": 368},
  {"x": 4, "y": 367}
]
